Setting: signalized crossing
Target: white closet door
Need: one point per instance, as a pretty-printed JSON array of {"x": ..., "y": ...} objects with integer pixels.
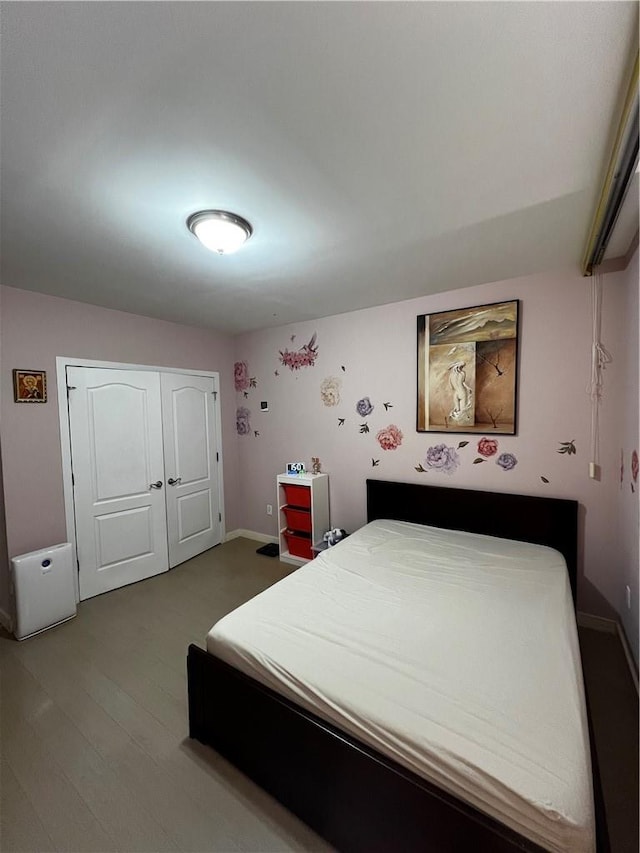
[
  {"x": 116, "y": 444},
  {"x": 189, "y": 426}
]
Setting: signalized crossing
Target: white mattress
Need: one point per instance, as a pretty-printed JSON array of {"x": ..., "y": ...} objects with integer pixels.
[{"x": 452, "y": 653}]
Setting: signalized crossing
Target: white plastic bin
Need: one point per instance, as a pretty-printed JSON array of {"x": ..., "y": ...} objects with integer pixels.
[{"x": 44, "y": 590}]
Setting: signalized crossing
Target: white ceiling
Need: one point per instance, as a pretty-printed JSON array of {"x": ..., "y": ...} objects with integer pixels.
[{"x": 381, "y": 150}]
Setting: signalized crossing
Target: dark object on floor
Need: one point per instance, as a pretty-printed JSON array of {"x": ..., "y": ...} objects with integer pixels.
[{"x": 269, "y": 550}]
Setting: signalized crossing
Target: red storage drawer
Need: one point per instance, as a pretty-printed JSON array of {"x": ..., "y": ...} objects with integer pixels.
[
  {"x": 298, "y": 544},
  {"x": 297, "y": 495},
  {"x": 297, "y": 519}
]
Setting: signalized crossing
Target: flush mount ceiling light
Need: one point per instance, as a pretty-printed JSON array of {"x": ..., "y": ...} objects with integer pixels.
[{"x": 220, "y": 231}]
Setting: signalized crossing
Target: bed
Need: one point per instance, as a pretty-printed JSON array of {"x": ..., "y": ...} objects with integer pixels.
[{"x": 328, "y": 768}]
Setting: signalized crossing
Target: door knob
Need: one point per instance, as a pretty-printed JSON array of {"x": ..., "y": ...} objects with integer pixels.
[
  {"x": 175, "y": 482},
  {"x": 157, "y": 485}
]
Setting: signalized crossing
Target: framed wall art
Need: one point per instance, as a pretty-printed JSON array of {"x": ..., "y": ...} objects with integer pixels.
[
  {"x": 29, "y": 386},
  {"x": 468, "y": 369}
]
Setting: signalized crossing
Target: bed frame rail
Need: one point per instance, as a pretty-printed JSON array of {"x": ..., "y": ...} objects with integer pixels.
[{"x": 355, "y": 798}]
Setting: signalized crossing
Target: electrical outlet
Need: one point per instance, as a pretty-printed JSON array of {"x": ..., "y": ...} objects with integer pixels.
[
  {"x": 628, "y": 596},
  {"x": 269, "y": 509}
]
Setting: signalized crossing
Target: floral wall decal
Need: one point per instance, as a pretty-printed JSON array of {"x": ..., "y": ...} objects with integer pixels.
[
  {"x": 364, "y": 407},
  {"x": 507, "y": 461},
  {"x": 440, "y": 458},
  {"x": 389, "y": 438},
  {"x": 374, "y": 462},
  {"x": 241, "y": 375},
  {"x": 340, "y": 421},
  {"x": 330, "y": 390},
  {"x": 634, "y": 469},
  {"x": 241, "y": 378},
  {"x": 243, "y": 425},
  {"x": 364, "y": 427},
  {"x": 544, "y": 479},
  {"x": 568, "y": 447},
  {"x": 304, "y": 357},
  {"x": 387, "y": 406},
  {"x": 621, "y": 467},
  {"x": 486, "y": 447}
]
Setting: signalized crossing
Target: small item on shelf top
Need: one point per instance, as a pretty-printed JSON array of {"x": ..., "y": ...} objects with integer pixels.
[
  {"x": 332, "y": 537},
  {"x": 294, "y": 468},
  {"x": 315, "y": 465}
]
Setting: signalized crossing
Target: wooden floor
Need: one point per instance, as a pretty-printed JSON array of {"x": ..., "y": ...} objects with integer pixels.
[
  {"x": 95, "y": 754},
  {"x": 614, "y": 710}
]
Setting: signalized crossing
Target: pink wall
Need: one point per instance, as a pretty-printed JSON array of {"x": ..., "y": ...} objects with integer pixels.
[
  {"x": 377, "y": 348},
  {"x": 623, "y": 422},
  {"x": 34, "y": 330},
  {"x": 5, "y": 618},
  {"x": 4, "y": 559}
]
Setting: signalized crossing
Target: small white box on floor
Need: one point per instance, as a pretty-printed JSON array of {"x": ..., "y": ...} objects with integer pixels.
[{"x": 44, "y": 590}]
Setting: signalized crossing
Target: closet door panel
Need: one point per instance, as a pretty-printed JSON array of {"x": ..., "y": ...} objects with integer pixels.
[
  {"x": 118, "y": 470},
  {"x": 193, "y": 512}
]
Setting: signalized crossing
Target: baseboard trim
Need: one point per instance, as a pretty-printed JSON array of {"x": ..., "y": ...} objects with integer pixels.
[
  {"x": 627, "y": 653},
  {"x": 249, "y": 534},
  {"x": 611, "y": 626},
  {"x": 597, "y": 623},
  {"x": 6, "y": 621}
]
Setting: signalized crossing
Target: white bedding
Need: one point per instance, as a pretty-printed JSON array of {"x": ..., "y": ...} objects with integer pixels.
[{"x": 452, "y": 653}]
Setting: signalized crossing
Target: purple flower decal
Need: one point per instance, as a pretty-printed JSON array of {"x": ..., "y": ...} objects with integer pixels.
[
  {"x": 241, "y": 375},
  {"x": 507, "y": 461},
  {"x": 364, "y": 407},
  {"x": 243, "y": 426},
  {"x": 441, "y": 458}
]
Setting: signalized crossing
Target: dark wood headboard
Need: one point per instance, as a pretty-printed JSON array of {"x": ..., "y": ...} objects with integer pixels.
[{"x": 540, "y": 520}]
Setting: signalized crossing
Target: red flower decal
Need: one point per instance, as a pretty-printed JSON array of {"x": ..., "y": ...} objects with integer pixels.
[
  {"x": 241, "y": 375},
  {"x": 390, "y": 437},
  {"x": 487, "y": 447}
]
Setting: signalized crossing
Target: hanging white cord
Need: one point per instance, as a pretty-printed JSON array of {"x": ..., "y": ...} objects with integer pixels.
[{"x": 600, "y": 357}]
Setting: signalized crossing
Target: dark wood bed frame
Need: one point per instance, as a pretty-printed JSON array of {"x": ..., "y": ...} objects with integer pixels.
[{"x": 354, "y": 797}]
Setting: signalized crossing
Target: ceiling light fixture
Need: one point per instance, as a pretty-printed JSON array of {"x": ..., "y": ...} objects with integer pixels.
[{"x": 220, "y": 231}]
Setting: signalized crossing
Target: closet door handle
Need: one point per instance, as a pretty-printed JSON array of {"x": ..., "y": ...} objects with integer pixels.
[
  {"x": 175, "y": 482},
  {"x": 157, "y": 485}
]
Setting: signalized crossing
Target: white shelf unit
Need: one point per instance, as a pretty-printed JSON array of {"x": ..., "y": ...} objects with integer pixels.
[{"x": 306, "y": 513}]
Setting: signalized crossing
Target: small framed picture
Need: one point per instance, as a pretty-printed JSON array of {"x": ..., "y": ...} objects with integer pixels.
[{"x": 29, "y": 386}]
